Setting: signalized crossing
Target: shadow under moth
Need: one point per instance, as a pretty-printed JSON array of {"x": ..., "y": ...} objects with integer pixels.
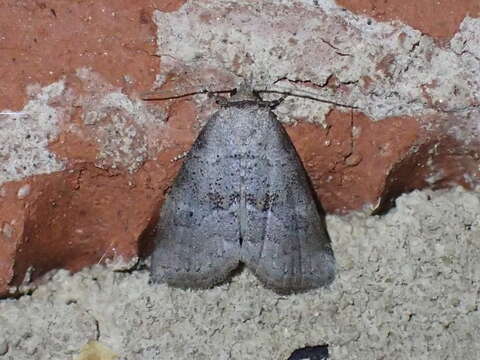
[{"x": 242, "y": 196}]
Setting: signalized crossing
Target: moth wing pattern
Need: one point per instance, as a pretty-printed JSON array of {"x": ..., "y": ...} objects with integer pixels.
[
  {"x": 197, "y": 234},
  {"x": 285, "y": 242},
  {"x": 242, "y": 195}
]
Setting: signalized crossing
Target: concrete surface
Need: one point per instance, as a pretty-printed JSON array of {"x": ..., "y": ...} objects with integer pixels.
[
  {"x": 407, "y": 288},
  {"x": 84, "y": 162}
]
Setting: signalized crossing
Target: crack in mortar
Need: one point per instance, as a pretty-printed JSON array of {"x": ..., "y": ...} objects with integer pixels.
[{"x": 230, "y": 36}]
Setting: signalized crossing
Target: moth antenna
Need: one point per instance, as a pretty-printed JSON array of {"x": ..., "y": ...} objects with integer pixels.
[
  {"x": 163, "y": 94},
  {"x": 305, "y": 96}
]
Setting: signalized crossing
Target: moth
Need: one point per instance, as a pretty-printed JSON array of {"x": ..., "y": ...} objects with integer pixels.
[{"x": 242, "y": 196}]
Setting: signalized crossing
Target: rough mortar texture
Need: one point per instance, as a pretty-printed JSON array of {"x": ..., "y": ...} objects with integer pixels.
[
  {"x": 382, "y": 69},
  {"x": 84, "y": 164},
  {"x": 407, "y": 288},
  {"x": 126, "y": 131},
  {"x": 25, "y": 135}
]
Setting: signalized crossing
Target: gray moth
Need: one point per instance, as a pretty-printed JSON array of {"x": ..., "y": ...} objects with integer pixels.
[{"x": 242, "y": 196}]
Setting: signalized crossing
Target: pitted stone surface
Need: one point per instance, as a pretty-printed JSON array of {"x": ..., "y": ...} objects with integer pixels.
[{"x": 407, "y": 287}]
